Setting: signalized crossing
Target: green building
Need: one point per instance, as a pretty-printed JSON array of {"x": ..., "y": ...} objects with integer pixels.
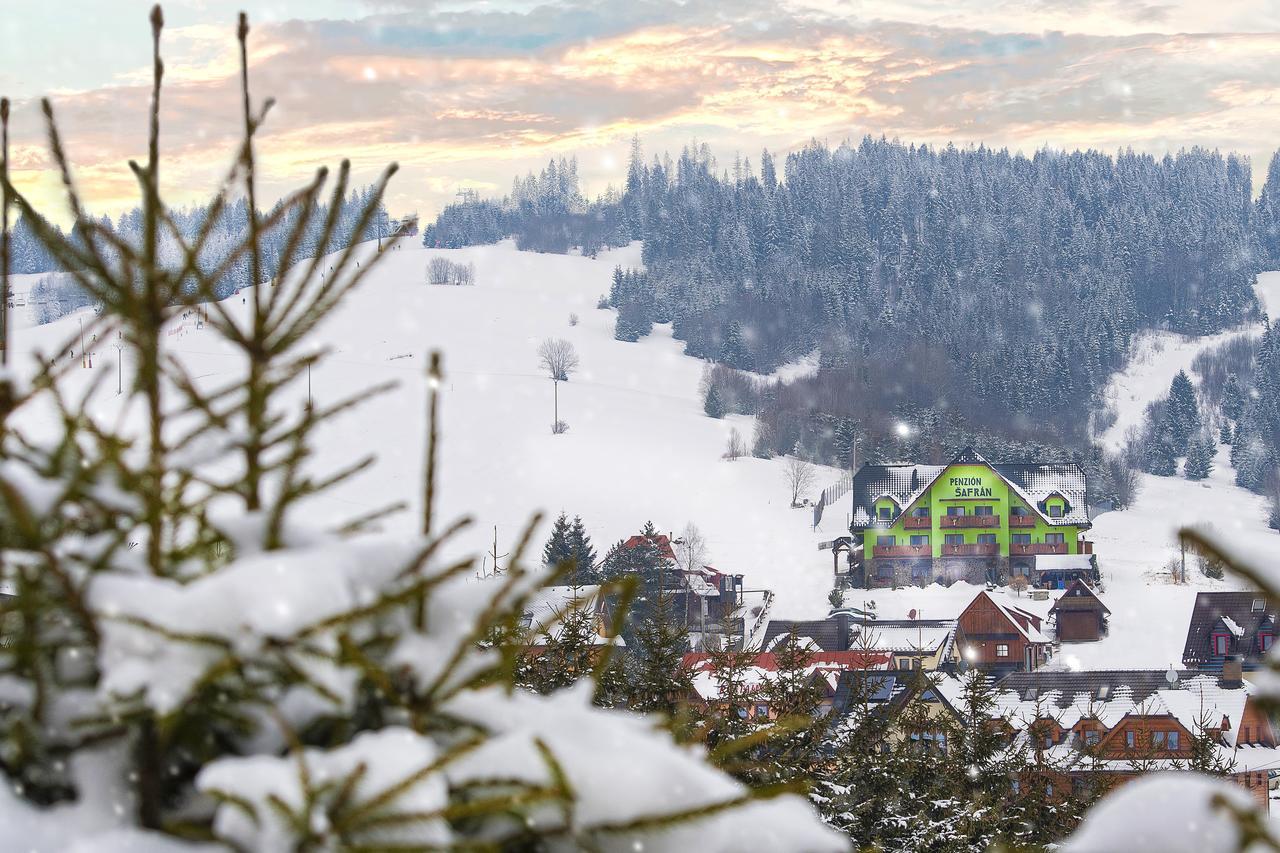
[{"x": 970, "y": 520}]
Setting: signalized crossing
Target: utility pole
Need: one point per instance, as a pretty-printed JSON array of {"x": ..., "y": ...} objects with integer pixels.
[
  {"x": 83, "y": 357},
  {"x": 308, "y": 385},
  {"x": 119, "y": 369}
]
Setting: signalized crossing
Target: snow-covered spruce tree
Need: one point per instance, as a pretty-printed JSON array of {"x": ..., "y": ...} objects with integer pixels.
[
  {"x": 185, "y": 659},
  {"x": 1200, "y": 455}
]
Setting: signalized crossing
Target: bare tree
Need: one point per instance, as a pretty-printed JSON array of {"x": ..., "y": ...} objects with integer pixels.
[
  {"x": 735, "y": 447},
  {"x": 800, "y": 476},
  {"x": 691, "y": 548},
  {"x": 558, "y": 357}
]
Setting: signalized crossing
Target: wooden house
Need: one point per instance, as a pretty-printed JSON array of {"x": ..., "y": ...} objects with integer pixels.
[
  {"x": 1240, "y": 625},
  {"x": 1119, "y": 724},
  {"x": 1000, "y": 637},
  {"x": 1079, "y": 615}
]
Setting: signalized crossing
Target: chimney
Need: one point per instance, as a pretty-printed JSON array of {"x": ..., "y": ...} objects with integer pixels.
[{"x": 1232, "y": 671}]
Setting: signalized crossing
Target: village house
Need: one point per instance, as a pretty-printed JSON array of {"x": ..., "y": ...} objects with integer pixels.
[
  {"x": 1240, "y": 625},
  {"x": 714, "y": 607},
  {"x": 1079, "y": 616},
  {"x": 891, "y": 692},
  {"x": 927, "y": 644},
  {"x": 1112, "y": 725},
  {"x": 999, "y": 637},
  {"x": 969, "y": 520}
]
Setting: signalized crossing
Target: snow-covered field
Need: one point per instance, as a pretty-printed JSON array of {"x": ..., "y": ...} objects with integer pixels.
[{"x": 640, "y": 447}]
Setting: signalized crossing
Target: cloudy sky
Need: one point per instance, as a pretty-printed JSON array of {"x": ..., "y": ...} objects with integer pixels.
[{"x": 467, "y": 94}]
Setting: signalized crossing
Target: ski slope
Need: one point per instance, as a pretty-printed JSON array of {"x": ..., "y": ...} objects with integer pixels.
[{"x": 639, "y": 446}]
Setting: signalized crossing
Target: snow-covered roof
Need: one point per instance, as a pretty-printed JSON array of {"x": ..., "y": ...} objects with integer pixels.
[
  {"x": 1110, "y": 695},
  {"x": 926, "y": 637},
  {"x": 763, "y": 669},
  {"x": 1034, "y": 483}
]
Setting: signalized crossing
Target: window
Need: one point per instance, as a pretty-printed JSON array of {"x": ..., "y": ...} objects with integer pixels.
[
  {"x": 953, "y": 538},
  {"x": 1245, "y": 739},
  {"x": 1257, "y": 605},
  {"x": 920, "y": 540},
  {"x": 1173, "y": 740},
  {"x": 955, "y": 510},
  {"x": 1017, "y": 786},
  {"x": 986, "y": 539},
  {"x": 762, "y": 710},
  {"x": 1055, "y": 538},
  {"x": 984, "y": 510},
  {"x": 1048, "y": 741},
  {"x": 1128, "y": 740},
  {"x": 1264, "y": 640},
  {"x": 1220, "y": 642},
  {"x": 1048, "y": 789},
  {"x": 1019, "y": 511},
  {"x": 886, "y": 540},
  {"x": 1020, "y": 538},
  {"x": 1090, "y": 738},
  {"x": 1002, "y": 650},
  {"x": 886, "y": 512},
  {"x": 1157, "y": 740},
  {"x": 1055, "y": 510},
  {"x": 920, "y": 512}
]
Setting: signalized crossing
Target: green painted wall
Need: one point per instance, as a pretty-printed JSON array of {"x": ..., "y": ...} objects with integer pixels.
[{"x": 969, "y": 486}]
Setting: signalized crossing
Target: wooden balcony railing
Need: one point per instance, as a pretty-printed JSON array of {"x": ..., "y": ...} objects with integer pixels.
[
  {"x": 1022, "y": 521},
  {"x": 971, "y": 549},
  {"x": 917, "y": 522},
  {"x": 901, "y": 551},
  {"x": 1086, "y": 547},
  {"x": 951, "y": 522},
  {"x": 1022, "y": 549}
]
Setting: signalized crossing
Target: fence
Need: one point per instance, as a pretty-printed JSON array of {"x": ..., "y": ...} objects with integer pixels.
[{"x": 830, "y": 495}]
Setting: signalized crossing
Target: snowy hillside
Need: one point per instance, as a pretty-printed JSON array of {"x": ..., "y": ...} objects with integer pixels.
[{"x": 639, "y": 445}]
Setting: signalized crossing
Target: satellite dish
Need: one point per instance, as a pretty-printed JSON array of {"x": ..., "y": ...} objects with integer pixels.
[
  {"x": 1171, "y": 676},
  {"x": 912, "y": 614}
]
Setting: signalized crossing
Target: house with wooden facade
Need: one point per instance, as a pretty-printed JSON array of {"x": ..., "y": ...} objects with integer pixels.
[
  {"x": 1079, "y": 616},
  {"x": 1118, "y": 724},
  {"x": 966, "y": 520},
  {"x": 1226, "y": 625},
  {"x": 997, "y": 636}
]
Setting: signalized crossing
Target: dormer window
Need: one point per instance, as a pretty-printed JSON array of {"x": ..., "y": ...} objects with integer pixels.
[
  {"x": 1258, "y": 605},
  {"x": 1104, "y": 692},
  {"x": 1221, "y": 642},
  {"x": 886, "y": 512},
  {"x": 1055, "y": 510}
]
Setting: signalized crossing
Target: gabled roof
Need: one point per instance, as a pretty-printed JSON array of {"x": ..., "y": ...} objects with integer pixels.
[
  {"x": 905, "y": 482},
  {"x": 1249, "y": 611},
  {"x": 1024, "y": 622},
  {"x": 1078, "y": 596},
  {"x": 661, "y": 541},
  {"x": 1111, "y": 695},
  {"x": 905, "y": 636}
]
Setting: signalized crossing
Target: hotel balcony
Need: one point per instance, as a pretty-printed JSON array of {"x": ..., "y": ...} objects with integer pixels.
[
  {"x": 953, "y": 522},
  {"x": 971, "y": 549},
  {"x": 1021, "y": 550},
  {"x": 916, "y": 522},
  {"x": 1022, "y": 521},
  {"x": 901, "y": 551},
  {"x": 1086, "y": 547}
]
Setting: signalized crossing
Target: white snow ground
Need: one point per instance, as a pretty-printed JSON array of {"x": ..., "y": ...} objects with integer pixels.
[{"x": 639, "y": 446}]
